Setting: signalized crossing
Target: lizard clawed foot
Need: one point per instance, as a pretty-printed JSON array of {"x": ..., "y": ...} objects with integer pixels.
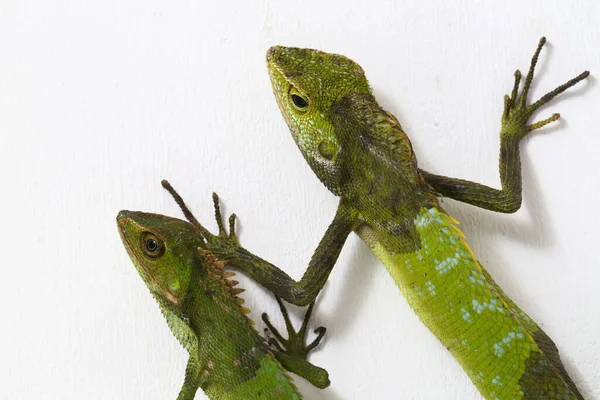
[
  {"x": 294, "y": 344},
  {"x": 516, "y": 113},
  {"x": 292, "y": 352},
  {"x": 230, "y": 237}
]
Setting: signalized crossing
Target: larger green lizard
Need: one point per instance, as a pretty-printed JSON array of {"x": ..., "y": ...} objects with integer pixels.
[
  {"x": 227, "y": 358},
  {"x": 360, "y": 152}
]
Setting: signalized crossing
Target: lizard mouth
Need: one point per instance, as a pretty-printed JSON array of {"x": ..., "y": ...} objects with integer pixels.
[
  {"x": 123, "y": 222},
  {"x": 281, "y": 86}
]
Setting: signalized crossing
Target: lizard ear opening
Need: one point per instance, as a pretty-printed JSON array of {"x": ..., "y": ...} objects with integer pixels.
[{"x": 328, "y": 150}]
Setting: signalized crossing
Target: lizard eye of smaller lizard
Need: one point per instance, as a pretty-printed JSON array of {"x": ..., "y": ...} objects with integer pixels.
[
  {"x": 152, "y": 246},
  {"x": 299, "y": 102}
]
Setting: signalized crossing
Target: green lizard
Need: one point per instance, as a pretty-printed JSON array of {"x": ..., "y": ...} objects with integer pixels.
[
  {"x": 361, "y": 154},
  {"x": 227, "y": 358}
]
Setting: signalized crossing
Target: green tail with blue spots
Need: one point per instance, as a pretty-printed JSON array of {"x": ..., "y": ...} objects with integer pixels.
[{"x": 504, "y": 352}]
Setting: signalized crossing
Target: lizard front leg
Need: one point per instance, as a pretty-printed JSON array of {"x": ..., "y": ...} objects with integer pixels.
[
  {"x": 300, "y": 293},
  {"x": 515, "y": 127},
  {"x": 192, "y": 380}
]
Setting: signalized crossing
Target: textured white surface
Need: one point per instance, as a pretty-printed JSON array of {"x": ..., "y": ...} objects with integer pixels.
[{"x": 100, "y": 100}]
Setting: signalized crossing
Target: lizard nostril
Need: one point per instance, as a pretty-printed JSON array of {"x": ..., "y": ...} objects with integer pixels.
[{"x": 272, "y": 53}]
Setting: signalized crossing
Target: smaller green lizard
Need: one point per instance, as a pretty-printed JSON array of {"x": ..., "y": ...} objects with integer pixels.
[{"x": 227, "y": 357}]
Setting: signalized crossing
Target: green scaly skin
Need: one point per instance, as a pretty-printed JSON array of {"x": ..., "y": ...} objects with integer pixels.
[
  {"x": 360, "y": 152},
  {"x": 228, "y": 359}
]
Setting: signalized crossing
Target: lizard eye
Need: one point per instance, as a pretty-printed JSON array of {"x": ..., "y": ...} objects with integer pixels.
[
  {"x": 152, "y": 246},
  {"x": 299, "y": 102}
]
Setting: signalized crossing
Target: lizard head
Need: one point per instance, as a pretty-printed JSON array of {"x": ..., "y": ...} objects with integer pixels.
[
  {"x": 157, "y": 246},
  {"x": 307, "y": 84}
]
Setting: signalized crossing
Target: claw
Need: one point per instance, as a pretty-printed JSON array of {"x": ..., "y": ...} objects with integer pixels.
[
  {"x": 218, "y": 216},
  {"x": 302, "y": 330},
  {"x": 272, "y": 329},
  {"x": 286, "y": 316},
  {"x": 509, "y": 101},
  {"x": 206, "y": 235},
  {"x": 186, "y": 211},
  {"x": 515, "y": 90},
  {"x": 274, "y": 343},
  {"x": 529, "y": 76},
  {"x": 232, "y": 234},
  {"x": 550, "y": 95},
  {"x": 545, "y": 122},
  {"x": 320, "y": 331},
  {"x": 507, "y": 107},
  {"x": 294, "y": 345}
]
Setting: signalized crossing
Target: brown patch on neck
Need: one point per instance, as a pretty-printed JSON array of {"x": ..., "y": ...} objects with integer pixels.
[{"x": 171, "y": 298}]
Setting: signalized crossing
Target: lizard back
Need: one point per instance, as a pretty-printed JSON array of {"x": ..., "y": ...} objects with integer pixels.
[{"x": 504, "y": 352}]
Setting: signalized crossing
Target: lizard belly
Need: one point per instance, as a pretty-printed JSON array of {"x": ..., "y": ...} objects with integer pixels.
[{"x": 504, "y": 352}]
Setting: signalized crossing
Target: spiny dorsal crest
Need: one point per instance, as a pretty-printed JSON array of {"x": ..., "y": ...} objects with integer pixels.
[
  {"x": 385, "y": 131},
  {"x": 216, "y": 271}
]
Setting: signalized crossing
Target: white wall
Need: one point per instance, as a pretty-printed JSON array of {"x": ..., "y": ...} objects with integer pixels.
[{"x": 100, "y": 100}]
